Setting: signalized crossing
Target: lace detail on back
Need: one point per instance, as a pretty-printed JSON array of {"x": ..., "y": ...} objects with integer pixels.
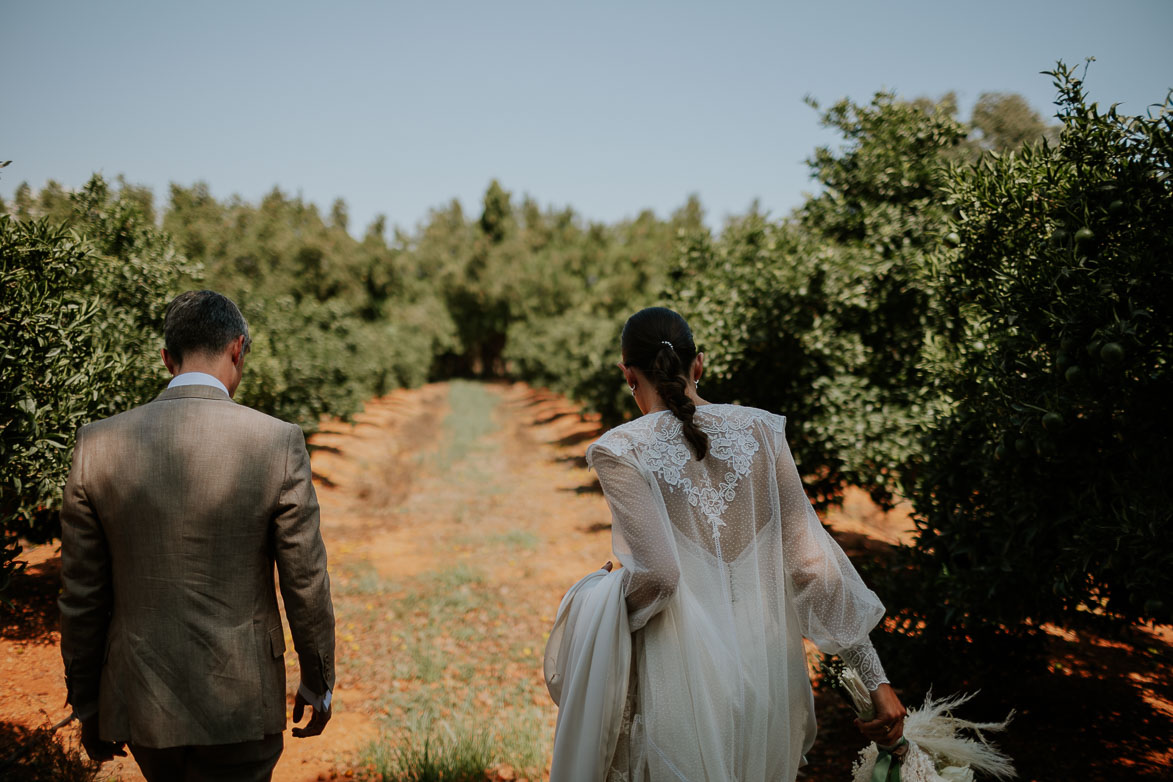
[{"x": 661, "y": 446}]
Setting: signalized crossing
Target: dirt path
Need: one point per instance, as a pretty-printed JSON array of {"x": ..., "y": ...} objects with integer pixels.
[
  {"x": 445, "y": 589},
  {"x": 455, "y": 517}
]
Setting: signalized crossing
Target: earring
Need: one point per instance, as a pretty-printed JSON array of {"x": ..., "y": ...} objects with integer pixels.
[{"x": 632, "y": 390}]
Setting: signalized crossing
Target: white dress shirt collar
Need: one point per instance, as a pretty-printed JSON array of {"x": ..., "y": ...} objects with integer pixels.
[{"x": 197, "y": 379}]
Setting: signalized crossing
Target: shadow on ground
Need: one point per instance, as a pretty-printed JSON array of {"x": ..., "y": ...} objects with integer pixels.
[
  {"x": 36, "y": 755},
  {"x": 1098, "y": 707},
  {"x": 32, "y": 615}
]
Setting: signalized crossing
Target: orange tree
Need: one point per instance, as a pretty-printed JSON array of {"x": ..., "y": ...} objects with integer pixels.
[
  {"x": 82, "y": 292},
  {"x": 580, "y": 282},
  {"x": 334, "y": 320},
  {"x": 822, "y": 316},
  {"x": 1043, "y": 490}
]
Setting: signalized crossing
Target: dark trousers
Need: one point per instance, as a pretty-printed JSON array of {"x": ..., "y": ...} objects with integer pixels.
[{"x": 248, "y": 761}]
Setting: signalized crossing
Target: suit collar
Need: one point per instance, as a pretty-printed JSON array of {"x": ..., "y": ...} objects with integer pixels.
[
  {"x": 194, "y": 392},
  {"x": 197, "y": 379}
]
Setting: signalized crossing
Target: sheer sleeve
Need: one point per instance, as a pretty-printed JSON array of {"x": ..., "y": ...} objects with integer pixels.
[
  {"x": 835, "y": 608},
  {"x": 640, "y": 536},
  {"x": 863, "y": 658}
]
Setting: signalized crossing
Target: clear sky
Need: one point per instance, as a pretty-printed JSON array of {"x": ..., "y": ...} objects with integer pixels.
[{"x": 608, "y": 107}]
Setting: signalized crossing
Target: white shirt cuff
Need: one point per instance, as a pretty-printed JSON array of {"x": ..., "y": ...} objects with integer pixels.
[{"x": 319, "y": 702}]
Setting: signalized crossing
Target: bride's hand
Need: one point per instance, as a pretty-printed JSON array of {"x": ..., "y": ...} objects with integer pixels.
[
  {"x": 607, "y": 566},
  {"x": 888, "y": 725}
]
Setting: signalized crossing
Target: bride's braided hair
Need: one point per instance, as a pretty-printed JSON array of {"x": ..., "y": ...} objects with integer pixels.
[{"x": 658, "y": 342}]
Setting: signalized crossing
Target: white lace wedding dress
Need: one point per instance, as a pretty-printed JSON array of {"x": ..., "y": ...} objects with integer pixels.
[{"x": 727, "y": 568}]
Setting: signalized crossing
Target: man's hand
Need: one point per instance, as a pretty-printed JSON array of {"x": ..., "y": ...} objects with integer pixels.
[
  {"x": 318, "y": 718},
  {"x": 98, "y": 750}
]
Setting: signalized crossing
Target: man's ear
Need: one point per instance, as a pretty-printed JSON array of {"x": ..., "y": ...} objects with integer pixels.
[
  {"x": 169, "y": 362},
  {"x": 238, "y": 351}
]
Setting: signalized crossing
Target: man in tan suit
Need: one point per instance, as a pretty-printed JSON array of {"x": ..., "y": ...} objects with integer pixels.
[{"x": 174, "y": 515}]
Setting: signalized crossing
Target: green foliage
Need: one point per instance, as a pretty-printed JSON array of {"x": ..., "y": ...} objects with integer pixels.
[
  {"x": 822, "y": 316},
  {"x": 47, "y": 333},
  {"x": 87, "y": 277},
  {"x": 334, "y": 321},
  {"x": 462, "y": 756},
  {"x": 577, "y": 287},
  {"x": 766, "y": 312},
  {"x": 480, "y": 287},
  {"x": 980, "y": 321},
  {"x": 312, "y": 358},
  {"x": 535, "y": 293},
  {"x": 1042, "y": 491},
  {"x": 517, "y": 291},
  {"x": 974, "y": 315},
  {"x": 575, "y": 354},
  {"x": 81, "y": 301},
  {"x": 1005, "y": 122}
]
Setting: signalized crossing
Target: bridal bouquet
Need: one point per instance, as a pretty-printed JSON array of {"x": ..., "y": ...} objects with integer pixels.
[{"x": 935, "y": 747}]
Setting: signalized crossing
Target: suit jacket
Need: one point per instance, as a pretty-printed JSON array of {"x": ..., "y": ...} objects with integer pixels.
[{"x": 173, "y": 517}]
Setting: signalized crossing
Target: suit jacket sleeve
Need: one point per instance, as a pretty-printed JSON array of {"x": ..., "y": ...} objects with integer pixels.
[
  {"x": 86, "y": 590},
  {"x": 301, "y": 567}
]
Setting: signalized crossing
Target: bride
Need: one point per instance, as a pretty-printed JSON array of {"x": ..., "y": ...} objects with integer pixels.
[{"x": 725, "y": 569}]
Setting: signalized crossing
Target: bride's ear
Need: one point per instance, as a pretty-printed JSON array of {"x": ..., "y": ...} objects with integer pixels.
[
  {"x": 698, "y": 367},
  {"x": 628, "y": 374}
]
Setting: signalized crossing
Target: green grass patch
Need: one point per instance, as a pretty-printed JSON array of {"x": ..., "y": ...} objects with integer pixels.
[
  {"x": 459, "y": 748},
  {"x": 429, "y": 662},
  {"x": 445, "y": 593},
  {"x": 443, "y": 730},
  {"x": 518, "y": 538},
  {"x": 447, "y": 754},
  {"x": 471, "y": 417},
  {"x": 442, "y": 726},
  {"x": 358, "y": 579},
  {"x": 526, "y": 739},
  {"x": 454, "y": 577}
]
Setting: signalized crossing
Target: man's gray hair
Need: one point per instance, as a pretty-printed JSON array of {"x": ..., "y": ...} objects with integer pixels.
[{"x": 202, "y": 322}]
